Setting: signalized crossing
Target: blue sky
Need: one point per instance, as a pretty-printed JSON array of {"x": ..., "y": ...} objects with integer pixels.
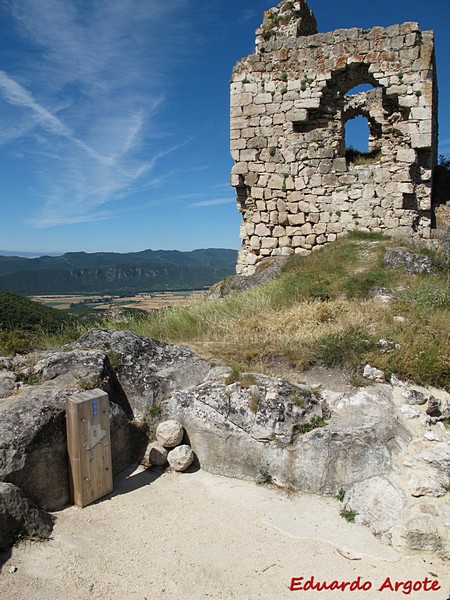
[{"x": 114, "y": 126}]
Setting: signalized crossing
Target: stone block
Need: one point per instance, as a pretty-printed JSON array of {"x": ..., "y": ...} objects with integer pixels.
[
  {"x": 239, "y": 168},
  {"x": 269, "y": 242},
  {"x": 278, "y": 231},
  {"x": 297, "y": 219},
  {"x": 306, "y": 229},
  {"x": 421, "y": 140},
  {"x": 276, "y": 182},
  {"x": 255, "y": 242},
  {"x": 263, "y": 98},
  {"x": 262, "y": 230},
  {"x": 407, "y": 155}
]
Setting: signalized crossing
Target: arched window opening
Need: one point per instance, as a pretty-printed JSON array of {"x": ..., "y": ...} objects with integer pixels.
[
  {"x": 362, "y": 140},
  {"x": 362, "y": 87},
  {"x": 357, "y": 134},
  {"x": 361, "y": 120}
]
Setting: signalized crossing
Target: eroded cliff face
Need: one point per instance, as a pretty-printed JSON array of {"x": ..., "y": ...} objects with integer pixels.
[{"x": 296, "y": 186}]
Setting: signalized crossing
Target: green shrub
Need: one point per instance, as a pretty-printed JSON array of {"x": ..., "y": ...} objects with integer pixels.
[
  {"x": 348, "y": 515},
  {"x": 307, "y": 427},
  {"x": 344, "y": 348},
  {"x": 341, "y": 495}
]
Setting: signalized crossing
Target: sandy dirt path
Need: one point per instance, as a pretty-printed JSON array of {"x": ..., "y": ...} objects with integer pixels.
[{"x": 193, "y": 536}]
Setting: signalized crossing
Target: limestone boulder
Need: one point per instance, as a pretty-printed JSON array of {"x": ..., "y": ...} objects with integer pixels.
[
  {"x": 169, "y": 433},
  {"x": 267, "y": 269},
  {"x": 180, "y": 458},
  {"x": 19, "y": 516},
  {"x": 271, "y": 426},
  {"x": 78, "y": 368},
  {"x": 377, "y": 503},
  {"x": 33, "y": 452},
  {"x": 420, "y": 528},
  {"x": 146, "y": 370}
]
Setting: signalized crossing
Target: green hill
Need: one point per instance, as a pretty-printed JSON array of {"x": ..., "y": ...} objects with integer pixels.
[
  {"x": 20, "y": 313},
  {"x": 110, "y": 272}
]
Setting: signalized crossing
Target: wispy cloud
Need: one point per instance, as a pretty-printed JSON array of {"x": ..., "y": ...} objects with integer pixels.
[
  {"x": 89, "y": 95},
  {"x": 212, "y": 202},
  {"x": 249, "y": 13}
]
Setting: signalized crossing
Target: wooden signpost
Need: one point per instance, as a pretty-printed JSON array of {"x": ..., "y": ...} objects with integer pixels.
[{"x": 89, "y": 446}]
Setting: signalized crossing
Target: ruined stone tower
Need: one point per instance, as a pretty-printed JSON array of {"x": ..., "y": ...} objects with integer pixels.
[{"x": 297, "y": 187}]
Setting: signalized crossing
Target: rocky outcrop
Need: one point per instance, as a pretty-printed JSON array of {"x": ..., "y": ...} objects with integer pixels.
[
  {"x": 384, "y": 449},
  {"x": 18, "y": 516},
  {"x": 388, "y": 464},
  {"x": 33, "y": 453},
  {"x": 285, "y": 431},
  {"x": 146, "y": 370},
  {"x": 409, "y": 262},
  {"x": 266, "y": 270}
]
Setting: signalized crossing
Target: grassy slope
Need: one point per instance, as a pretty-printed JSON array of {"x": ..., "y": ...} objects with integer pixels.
[{"x": 321, "y": 310}]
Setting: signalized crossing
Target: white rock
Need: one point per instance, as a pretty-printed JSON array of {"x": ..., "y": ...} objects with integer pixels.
[
  {"x": 432, "y": 437},
  {"x": 180, "y": 458},
  {"x": 373, "y": 374},
  {"x": 410, "y": 412},
  {"x": 169, "y": 433},
  {"x": 419, "y": 528},
  {"x": 377, "y": 502},
  {"x": 425, "y": 484},
  {"x": 415, "y": 397},
  {"x": 396, "y": 381}
]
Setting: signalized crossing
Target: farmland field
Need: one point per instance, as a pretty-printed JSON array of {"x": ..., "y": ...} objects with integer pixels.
[{"x": 142, "y": 301}]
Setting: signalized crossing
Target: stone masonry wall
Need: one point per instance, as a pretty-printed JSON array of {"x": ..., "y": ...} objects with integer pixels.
[{"x": 295, "y": 187}]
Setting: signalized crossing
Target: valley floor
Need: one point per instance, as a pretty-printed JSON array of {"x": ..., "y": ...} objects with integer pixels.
[{"x": 194, "y": 535}]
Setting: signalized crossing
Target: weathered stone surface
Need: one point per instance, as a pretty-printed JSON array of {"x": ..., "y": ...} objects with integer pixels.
[
  {"x": 414, "y": 397},
  {"x": 146, "y": 370},
  {"x": 266, "y": 270},
  {"x": 239, "y": 431},
  {"x": 180, "y": 458},
  {"x": 426, "y": 483},
  {"x": 7, "y": 384},
  {"x": 80, "y": 368},
  {"x": 377, "y": 502},
  {"x": 301, "y": 84},
  {"x": 155, "y": 455},
  {"x": 399, "y": 258},
  {"x": 169, "y": 433},
  {"x": 420, "y": 528},
  {"x": 19, "y": 516},
  {"x": 373, "y": 374},
  {"x": 33, "y": 453}
]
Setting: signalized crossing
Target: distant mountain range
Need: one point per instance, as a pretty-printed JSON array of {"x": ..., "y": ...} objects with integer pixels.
[
  {"x": 27, "y": 254},
  {"x": 115, "y": 273}
]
